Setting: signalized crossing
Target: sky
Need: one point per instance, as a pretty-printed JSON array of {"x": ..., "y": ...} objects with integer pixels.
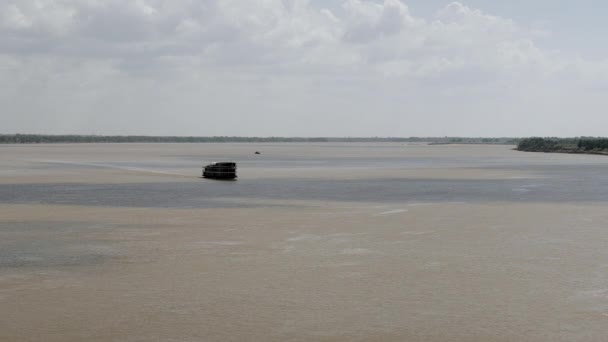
[{"x": 337, "y": 68}]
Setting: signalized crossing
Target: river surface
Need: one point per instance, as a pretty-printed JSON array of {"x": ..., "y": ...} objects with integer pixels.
[{"x": 313, "y": 242}]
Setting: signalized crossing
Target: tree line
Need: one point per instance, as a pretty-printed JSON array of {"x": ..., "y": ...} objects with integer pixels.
[
  {"x": 49, "y": 139},
  {"x": 571, "y": 145}
]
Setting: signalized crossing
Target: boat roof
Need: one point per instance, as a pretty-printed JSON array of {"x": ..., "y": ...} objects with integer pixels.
[{"x": 223, "y": 164}]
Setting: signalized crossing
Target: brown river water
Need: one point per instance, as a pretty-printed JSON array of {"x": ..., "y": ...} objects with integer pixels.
[{"x": 313, "y": 242}]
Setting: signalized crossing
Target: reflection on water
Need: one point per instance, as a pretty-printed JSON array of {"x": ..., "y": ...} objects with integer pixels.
[
  {"x": 374, "y": 257},
  {"x": 558, "y": 178},
  {"x": 587, "y": 184}
]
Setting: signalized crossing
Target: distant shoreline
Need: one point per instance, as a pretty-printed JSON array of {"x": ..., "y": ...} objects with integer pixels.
[
  {"x": 599, "y": 153},
  {"x": 594, "y": 146},
  {"x": 468, "y": 143},
  {"x": 76, "y": 139}
]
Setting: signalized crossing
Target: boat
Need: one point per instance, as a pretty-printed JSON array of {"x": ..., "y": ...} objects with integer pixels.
[{"x": 222, "y": 170}]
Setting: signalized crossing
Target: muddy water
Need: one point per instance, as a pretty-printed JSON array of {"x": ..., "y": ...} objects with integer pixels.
[{"x": 314, "y": 242}]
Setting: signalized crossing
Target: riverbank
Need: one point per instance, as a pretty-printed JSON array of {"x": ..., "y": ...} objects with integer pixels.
[
  {"x": 566, "y": 151},
  {"x": 597, "y": 146}
]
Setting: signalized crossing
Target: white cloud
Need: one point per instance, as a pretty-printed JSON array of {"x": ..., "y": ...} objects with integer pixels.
[
  {"x": 272, "y": 31},
  {"x": 275, "y": 58},
  {"x": 367, "y": 21},
  {"x": 13, "y": 18},
  {"x": 42, "y": 16}
]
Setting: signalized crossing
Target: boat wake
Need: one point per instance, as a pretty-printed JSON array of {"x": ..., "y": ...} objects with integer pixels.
[{"x": 111, "y": 166}]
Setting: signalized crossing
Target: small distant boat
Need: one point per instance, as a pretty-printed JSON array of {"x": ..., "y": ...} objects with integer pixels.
[{"x": 223, "y": 170}]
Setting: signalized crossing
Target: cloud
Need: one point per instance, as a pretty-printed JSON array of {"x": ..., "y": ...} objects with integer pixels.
[
  {"x": 273, "y": 31},
  {"x": 367, "y": 21},
  {"x": 275, "y": 58}
]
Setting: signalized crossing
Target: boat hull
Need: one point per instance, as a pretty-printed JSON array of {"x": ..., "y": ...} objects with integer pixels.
[{"x": 220, "y": 171}]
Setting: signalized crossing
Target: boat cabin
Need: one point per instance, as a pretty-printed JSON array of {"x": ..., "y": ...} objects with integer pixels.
[{"x": 222, "y": 170}]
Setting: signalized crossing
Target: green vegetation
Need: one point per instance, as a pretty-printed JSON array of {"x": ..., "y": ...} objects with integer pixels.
[
  {"x": 589, "y": 145},
  {"x": 48, "y": 139},
  {"x": 478, "y": 141}
]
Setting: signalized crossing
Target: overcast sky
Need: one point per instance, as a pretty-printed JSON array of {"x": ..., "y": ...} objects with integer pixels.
[{"x": 304, "y": 67}]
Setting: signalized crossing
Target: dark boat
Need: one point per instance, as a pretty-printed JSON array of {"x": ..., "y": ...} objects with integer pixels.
[{"x": 223, "y": 170}]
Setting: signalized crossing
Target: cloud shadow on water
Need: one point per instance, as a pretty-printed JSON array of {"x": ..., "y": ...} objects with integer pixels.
[{"x": 590, "y": 185}]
